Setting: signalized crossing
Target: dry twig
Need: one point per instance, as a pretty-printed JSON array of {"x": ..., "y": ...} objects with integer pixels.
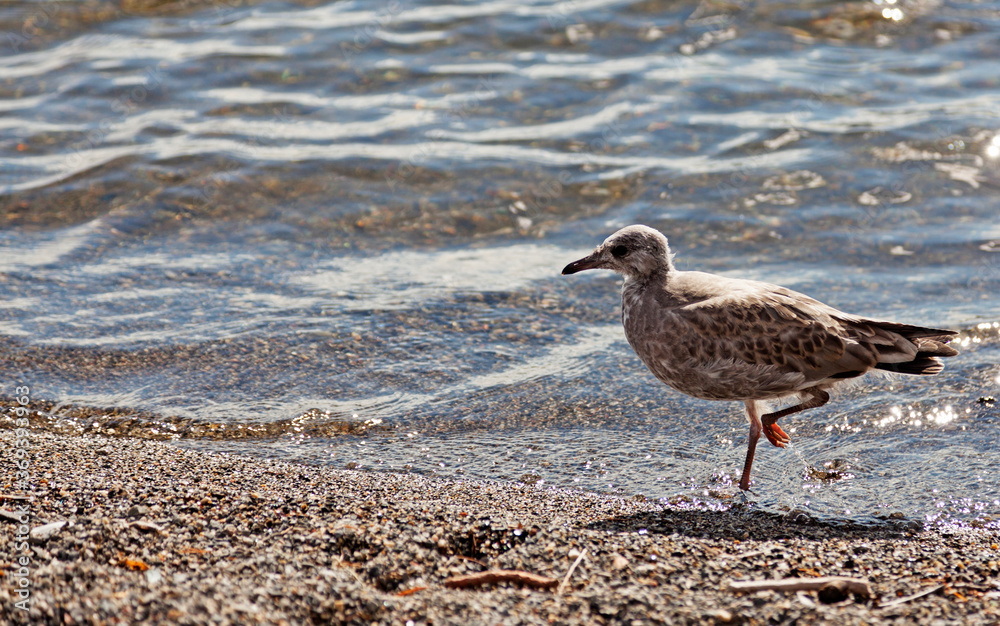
[
  {"x": 916, "y": 596},
  {"x": 740, "y": 555},
  {"x": 492, "y": 576},
  {"x": 471, "y": 560},
  {"x": 572, "y": 567},
  {"x": 349, "y": 567},
  {"x": 854, "y": 585},
  {"x": 410, "y": 591}
]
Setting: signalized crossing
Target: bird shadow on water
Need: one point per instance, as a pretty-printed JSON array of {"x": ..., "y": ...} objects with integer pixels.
[{"x": 744, "y": 522}]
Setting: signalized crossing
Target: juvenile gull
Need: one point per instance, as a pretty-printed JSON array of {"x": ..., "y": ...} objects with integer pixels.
[{"x": 722, "y": 338}]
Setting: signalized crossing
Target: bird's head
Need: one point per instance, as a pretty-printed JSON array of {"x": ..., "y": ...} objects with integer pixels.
[{"x": 638, "y": 252}]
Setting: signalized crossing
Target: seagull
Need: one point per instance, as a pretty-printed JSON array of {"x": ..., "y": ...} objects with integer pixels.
[{"x": 720, "y": 338}]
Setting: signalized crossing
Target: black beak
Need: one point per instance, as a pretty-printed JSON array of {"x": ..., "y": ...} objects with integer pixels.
[{"x": 586, "y": 263}]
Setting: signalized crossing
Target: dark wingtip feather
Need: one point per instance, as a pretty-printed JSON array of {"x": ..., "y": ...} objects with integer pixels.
[
  {"x": 935, "y": 348},
  {"x": 916, "y": 332}
]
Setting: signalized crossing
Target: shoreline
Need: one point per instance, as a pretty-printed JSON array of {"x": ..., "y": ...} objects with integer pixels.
[{"x": 161, "y": 533}]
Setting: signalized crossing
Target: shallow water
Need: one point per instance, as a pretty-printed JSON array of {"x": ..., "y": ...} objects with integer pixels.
[{"x": 332, "y": 232}]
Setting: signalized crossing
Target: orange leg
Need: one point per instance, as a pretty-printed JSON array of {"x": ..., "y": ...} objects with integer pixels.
[{"x": 768, "y": 424}]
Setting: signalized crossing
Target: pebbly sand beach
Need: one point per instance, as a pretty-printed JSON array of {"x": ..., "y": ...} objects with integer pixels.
[
  {"x": 287, "y": 228},
  {"x": 128, "y": 531}
]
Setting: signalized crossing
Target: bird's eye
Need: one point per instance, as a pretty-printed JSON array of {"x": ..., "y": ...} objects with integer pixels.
[{"x": 619, "y": 251}]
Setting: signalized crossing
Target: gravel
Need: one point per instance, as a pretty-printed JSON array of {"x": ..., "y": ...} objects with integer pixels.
[{"x": 153, "y": 532}]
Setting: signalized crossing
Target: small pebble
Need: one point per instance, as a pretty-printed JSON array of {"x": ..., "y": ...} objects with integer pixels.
[
  {"x": 154, "y": 576},
  {"x": 41, "y": 534},
  {"x": 833, "y": 592},
  {"x": 148, "y": 527}
]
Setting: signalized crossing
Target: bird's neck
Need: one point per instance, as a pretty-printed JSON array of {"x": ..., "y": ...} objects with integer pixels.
[{"x": 659, "y": 276}]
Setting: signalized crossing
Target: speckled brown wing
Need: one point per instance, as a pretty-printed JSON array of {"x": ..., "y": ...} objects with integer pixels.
[
  {"x": 741, "y": 340},
  {"x": 899, "y": 347},
  {"x": 783, "y": 330},
  {"x": 727, "y": 339}
]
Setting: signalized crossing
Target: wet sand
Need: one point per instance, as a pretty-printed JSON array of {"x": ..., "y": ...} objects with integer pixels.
[{"x": 158, "y": 533}]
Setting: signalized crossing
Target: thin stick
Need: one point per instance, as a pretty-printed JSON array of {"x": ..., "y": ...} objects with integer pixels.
[
  {"x": 410, "y": 591},
  {"x": 350, "y": 568},
  {"x": 501, "y": 576},
  {"x": 470, "y": 559},
  {"x": 916, "y": 596},
  {"x": 740, "y": 555},
  {"x": 854, "y": 585},
  {"x": 570, "y": 572}
]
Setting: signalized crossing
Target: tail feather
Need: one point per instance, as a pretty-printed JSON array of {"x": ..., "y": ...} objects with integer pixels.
[
  {"x": 924, "y": 366},
  {"x": 930, "y": 343}
]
